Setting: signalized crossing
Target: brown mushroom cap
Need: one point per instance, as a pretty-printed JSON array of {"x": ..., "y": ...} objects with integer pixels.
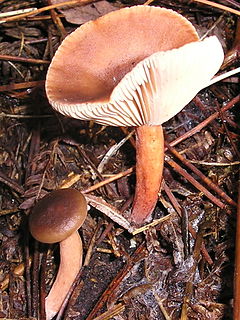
[
  {"x": 135, "y": 66},
  {"x": 57, "y": 215},
  {"x": 93, "y": 59}
]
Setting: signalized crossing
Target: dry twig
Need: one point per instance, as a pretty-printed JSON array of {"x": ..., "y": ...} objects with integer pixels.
[
  {"x": 236, "y": 302},
  {"x": 219, "y": 6}
]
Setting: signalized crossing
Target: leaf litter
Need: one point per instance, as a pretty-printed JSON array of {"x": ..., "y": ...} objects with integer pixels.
[{"x": 181, "y": 268}]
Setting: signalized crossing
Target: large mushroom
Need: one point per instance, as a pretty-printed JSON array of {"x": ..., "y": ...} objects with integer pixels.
[
  {"x": 56, "y": 218},
  {"x": 138, "y": 67}
]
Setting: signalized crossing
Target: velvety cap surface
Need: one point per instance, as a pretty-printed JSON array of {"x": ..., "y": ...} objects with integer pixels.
[
  {"x": 57, "y": 215},
  {"x": 93, "y": 59}
]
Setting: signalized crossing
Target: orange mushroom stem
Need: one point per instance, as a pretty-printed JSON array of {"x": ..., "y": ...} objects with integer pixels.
[
  {"x": 149, "y": 167},
  {"x": 70, "y": 264}
]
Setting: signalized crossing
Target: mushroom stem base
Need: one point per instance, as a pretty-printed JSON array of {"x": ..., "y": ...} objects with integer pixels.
[
  {"x": 149, "y": 167},
  {"x": 70, "y": 264}
]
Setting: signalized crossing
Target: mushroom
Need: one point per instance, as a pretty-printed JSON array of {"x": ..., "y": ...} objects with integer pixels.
[
  {"x": 56, "y": 218},
  {"x": 138, "y": 67}
]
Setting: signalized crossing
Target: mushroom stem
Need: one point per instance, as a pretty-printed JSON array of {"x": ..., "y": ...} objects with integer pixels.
[
  {"x": 149, "y": 167},
  {"x": 70, "y": 264}
]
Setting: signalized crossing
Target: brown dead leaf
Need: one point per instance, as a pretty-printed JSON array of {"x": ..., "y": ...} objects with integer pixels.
[{"x": 81, "y": 14}]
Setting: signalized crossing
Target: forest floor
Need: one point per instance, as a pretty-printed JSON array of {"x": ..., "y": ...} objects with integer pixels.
[{"x": 180, "y": 268}]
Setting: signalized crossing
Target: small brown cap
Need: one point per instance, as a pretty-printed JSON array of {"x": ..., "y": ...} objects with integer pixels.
[{"x": 57, "y": 215}]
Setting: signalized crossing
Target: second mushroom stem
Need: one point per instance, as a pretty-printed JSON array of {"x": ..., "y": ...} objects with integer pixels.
[
  {"x": 70, "y": 264},
  {"x": 149, "y": 167}
]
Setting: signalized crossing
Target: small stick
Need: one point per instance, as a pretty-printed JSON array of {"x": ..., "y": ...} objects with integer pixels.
[
  {"x": 35, "y": 275},
  {"x": 189, "y": 285},
  {"x": 234, "y": 3},
  {"x": 177, "y": 207},
  {"x": 104, "y": 234},
  {"x": 224, "y": 76},
  {"x": 219, "y": 6},
  {"x": 228, "y": 134},
  {"x": 236, "y": 301},
  {"x": 204, "y": 123},
  {"x": 23, "y": 116},
  {"x": 194, "y": 182},
  {"x": 71, "y": 299},
  {"x": 198, "y": 102},
  {"x": 69, "y": 181},
  {"x": 8, "y": 211},
  {"x": 43, "y": 290},
  {"x": 11, "y": 183},
  {"x": 22, "y": 59},
  {"x": 161, "y": 306},
  {"x": 57, "y": 21},
  {"x": 53, "y": 6},
  {"x": 87, "y": 160},
  {"x": 205, "y": 179},
  {"x": 15, "y": 12},
  {"x": 114, "y": 311},
  {"x": 109, "y": 180},
  {"x": 27, "y": 276},
  {"x": 22, "y": 85},
  {"x": 90, "y": 247},
  {"x": 216, "y": 164},
  {"x": 40, "y": 18}
]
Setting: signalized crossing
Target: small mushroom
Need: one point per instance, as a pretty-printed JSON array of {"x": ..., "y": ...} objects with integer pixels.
[
  {"x": 138, "y": 67},
  {"x": 56, "y": 218}
]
